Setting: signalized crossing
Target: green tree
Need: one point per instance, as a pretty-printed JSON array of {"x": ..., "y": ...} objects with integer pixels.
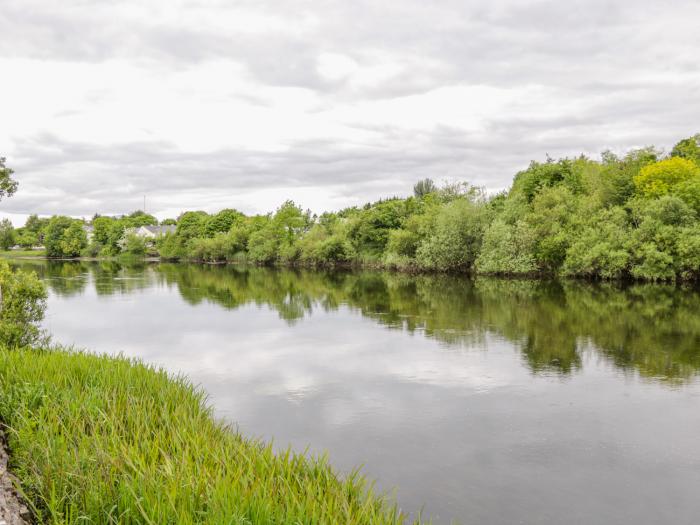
[
  {"x": 139, "y": 218},
  {"x": 616, "y": 183},
  {"x": 8, "y": 186},
  {"x": 423, "y": 188},
  {"x": 37, "y": 226},
  {"x": 73, "y": 239},
  {"x": 655, "y": 180},
  {"x": 222, "y": 222},
  {"x": 369, "y": 229},
  {"x": 688, "y": 149},
  {"x": 8, "y": 237},
  {"x": 291, "y": 221},
  {"x": 544, "y": 175},
  {"x": 101, "y": 230},
  {"x": 114, "y": 237},
  {"x": 27, "y": 239},
  {"x": 552, "y": 220},
  {"x": 689, "y": 192},
  {"x": 191, "y": 224},
  {"x": 54, "y": 235}
]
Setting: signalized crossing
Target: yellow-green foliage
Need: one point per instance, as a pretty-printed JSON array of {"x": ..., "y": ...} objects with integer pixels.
[
  {"x": 104, "y": 440},
  {"x": 658, "y": 179}
]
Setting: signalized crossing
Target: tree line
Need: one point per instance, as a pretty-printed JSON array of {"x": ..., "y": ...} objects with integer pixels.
[{"x": 632, "y": 216}]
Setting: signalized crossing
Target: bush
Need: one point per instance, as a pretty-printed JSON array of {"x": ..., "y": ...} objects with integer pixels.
[
  {"x": 688, "y": 252},
  {"x": 652, "y": 264},
  {"x": 403, "y": 243},
  {"x": 507, "y": 249},
  {"x": 93, "y": 249},
  {"x": 22, "y": 307},
  {"x": 170, "y": 247},
  {"x": 134, "y": 246},
  {"x": 369, "y": 229},
  {"x": 221, "y": 247},
  {"x": 599, "y": 250},
  {"x": 263, "y": 245},
  {"x": 455, "y": 240}
]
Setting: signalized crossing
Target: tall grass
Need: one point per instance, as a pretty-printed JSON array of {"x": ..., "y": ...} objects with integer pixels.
[{"x": 103, "y": 440}]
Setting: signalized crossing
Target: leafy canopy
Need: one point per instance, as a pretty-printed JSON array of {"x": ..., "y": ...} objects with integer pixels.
[
  {"x": 658, "y": 179},
  {"x": 8, "y": 186}
]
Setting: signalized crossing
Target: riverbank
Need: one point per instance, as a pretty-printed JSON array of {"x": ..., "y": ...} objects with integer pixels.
[
  {"x": 107, "y": 440},
  {"x": 375, "y": 265},
  {"x": 22, "y": 253}
]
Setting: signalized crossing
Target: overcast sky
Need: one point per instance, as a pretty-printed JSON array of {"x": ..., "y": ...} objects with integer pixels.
[{"x": 210, "y": 104}]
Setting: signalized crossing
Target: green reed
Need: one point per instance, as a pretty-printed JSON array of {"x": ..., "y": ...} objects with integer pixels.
[{"x": 104, "y": 440}]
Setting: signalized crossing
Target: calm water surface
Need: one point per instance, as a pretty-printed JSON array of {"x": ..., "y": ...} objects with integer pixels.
[{"x": 484, "y": 401}]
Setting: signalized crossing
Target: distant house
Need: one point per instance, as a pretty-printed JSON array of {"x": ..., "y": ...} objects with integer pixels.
[{"x": 151, "y": 232}]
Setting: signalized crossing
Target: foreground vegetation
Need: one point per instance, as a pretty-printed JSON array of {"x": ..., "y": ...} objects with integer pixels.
[
  {"x": 96, "y": 439},
  {"x": 621, "y": 217}
]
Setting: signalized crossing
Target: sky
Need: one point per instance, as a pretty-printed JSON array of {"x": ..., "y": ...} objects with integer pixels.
[{"x": 211, "y": 104}]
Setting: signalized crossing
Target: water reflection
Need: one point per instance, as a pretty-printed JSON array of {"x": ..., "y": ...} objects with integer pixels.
[{"x": 651, "y": 329}]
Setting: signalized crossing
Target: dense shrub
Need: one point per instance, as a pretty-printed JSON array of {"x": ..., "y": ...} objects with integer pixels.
[
  {"x": 22, "y": 307},
  {"x": 507, "y": 249},
  {"x": 134, "y": 246},
  {"x": 599, "y": 249},
  {"x": 455, "y": 240}
]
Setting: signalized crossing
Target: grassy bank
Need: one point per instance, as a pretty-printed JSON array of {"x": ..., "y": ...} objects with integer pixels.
[
  {"x": 22, "y": 253},
  {"x": 96, "y": 439}
]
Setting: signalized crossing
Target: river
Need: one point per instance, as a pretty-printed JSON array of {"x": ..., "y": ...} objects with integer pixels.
[{"x": 477, "y": 401}]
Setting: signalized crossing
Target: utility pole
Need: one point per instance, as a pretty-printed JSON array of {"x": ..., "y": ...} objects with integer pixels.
[{"x": 144, "y": 204}]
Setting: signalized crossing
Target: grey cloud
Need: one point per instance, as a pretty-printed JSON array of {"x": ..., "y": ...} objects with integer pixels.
[{"x": 446, "y": 43}]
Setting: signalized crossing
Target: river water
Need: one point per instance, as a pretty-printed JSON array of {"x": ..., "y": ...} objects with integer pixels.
[{"x": 476, "y": 401}]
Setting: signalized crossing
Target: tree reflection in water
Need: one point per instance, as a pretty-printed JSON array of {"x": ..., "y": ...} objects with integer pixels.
[{"x": 652, "y": 329}]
